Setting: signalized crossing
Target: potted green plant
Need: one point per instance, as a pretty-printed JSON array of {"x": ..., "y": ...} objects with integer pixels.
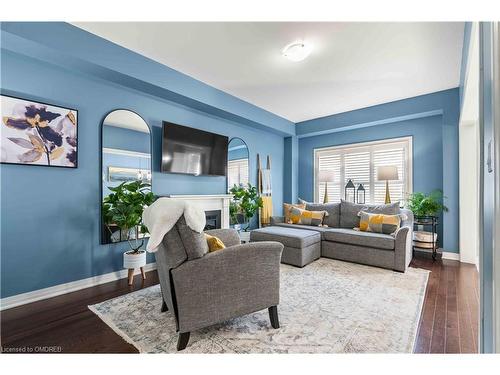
[
  {"x": 245, "y": 203},
  {"x": 423, "y": 205},
  {"x": 124, "y": 208}
]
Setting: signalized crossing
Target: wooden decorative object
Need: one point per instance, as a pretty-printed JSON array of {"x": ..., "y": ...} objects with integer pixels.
[
  {"x": 260, "y": 184},
  {"x": 131, "y": 275}
]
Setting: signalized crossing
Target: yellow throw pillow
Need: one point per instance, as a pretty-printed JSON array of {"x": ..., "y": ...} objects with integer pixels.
[
  {"x": 379, "y": 223},
  {"x": 214, "y": 243},
  {"x": 287, "y": 207},
  {"x": 305, "y": 217}
]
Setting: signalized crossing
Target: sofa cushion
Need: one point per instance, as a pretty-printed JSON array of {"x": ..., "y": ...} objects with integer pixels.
[
  {"x": 353, "y": 237},
  {"x": 349, "y": 212},
  {"x": 195, "y": 244},
  {"x": 333, "y": 210},
  {"x": 290, "y": 237},
  {"x": 302, "y": 227}
]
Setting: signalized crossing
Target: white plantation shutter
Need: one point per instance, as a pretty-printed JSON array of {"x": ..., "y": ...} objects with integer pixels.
[
  {"x": 332, "y": 163},
  {"x": 359, "y": 162},
  {"x": 232, "y": 174},
  {"x": 237, "y": 172},
  {"x": 357, "y": 169}
]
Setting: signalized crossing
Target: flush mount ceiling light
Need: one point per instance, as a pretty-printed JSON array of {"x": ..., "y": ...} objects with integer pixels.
[{"x": 297, "y": 51}]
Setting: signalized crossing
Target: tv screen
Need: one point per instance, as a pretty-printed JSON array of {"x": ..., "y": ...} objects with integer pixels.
[{"x": 192, "y": 151}]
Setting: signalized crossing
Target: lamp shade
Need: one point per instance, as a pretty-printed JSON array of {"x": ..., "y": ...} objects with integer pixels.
[
  {"x": 326, "y": 176},
  {"x": 387, "y": 173}
]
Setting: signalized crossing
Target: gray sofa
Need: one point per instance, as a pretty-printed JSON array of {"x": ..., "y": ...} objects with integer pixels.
[
  {"x": 340, "y": 241},
  {"x": 202, "y": 288}
]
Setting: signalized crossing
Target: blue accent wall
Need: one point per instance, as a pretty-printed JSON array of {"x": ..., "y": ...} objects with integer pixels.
[
  {"x": 50, "y": 216},
  {"x": 291, "y": 172},
  {"x": 433, "y": 122}
]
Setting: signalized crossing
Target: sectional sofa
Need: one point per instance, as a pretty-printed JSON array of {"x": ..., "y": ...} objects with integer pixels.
[{"x": 303, "y": 244}]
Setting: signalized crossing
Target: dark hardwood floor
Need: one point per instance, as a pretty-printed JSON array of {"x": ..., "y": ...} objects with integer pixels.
[
  {"x": 450, "y": 317},
  {"x": 65, "y": 324},
  {"x": 449, "y": 321}
]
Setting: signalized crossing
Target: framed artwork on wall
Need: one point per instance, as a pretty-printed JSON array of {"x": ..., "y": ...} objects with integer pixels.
[{"x": 36, "y": 133}]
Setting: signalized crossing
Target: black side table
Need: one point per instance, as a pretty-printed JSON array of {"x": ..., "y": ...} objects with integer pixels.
[{"x": 429, "y": 221}]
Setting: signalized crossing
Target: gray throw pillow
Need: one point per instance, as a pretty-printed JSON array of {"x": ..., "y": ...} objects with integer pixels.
[
  {"x": 333, "y": 210},
  {"x": 195, "y": 244},
  {"x": 349, "y": 212}
]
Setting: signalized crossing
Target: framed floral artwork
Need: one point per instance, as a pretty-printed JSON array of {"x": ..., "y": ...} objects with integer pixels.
[{"x": 36, "y": 133}]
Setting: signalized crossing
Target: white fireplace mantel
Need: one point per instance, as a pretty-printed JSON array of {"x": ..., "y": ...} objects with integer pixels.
[{"x": 210, "y": 203}]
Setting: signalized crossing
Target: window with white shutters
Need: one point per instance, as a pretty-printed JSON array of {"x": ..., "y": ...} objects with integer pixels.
[
  {"x": 359, "y": 163},
  {"x": 237, "y": 172}
]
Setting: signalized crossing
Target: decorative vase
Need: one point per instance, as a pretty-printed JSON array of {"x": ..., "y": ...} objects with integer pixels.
[
  {"x": 134, "y": 260},
  {"x": 131, "y": 261}
]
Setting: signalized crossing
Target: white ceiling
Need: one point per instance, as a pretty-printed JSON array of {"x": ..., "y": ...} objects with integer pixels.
[{"x": 352, "y": 65}]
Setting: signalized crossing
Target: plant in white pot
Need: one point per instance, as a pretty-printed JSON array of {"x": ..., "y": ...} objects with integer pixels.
[
  {"x": 245, "y": 204},
  {"x": 124, "y": 208}
]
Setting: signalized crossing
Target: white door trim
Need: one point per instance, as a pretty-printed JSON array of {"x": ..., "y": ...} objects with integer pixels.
[{"x": 496, "y": 165}]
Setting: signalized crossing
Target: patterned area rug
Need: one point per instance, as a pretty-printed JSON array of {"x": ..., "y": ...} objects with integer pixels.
[{"x": 328, "y": 306}]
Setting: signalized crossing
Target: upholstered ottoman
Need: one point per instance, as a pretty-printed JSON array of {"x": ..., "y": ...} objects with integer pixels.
[{"x": 301, "y": 246}]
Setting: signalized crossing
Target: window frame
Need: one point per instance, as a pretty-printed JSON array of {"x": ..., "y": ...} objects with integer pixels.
[{"x": 360, "y": 147}]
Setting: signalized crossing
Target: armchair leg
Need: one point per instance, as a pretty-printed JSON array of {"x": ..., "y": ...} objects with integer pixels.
[
  {"x": 273, "y": 316},
  {"x": 182, "y": 341},
  {"x": 164, "y": 306}
]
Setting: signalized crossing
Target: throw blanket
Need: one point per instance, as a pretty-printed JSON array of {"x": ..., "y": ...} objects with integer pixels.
[
  {"x": 266, "y": 182},
  {"x": 267, "y": 210},
  {"x": 162, "y": 215}
]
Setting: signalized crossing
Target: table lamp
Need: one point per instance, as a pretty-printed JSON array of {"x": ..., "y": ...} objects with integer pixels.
[
  {"x": 326, "y": 176},
  {"x": 387, "y": 173}
]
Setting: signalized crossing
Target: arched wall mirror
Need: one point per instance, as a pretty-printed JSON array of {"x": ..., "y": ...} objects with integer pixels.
[
  {"x": 237, "y": 163},
  {"x": 126, "y": 157}
]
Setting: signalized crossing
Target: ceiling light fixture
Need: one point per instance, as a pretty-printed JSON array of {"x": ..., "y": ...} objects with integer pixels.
[{"x": 297, "y": 51}]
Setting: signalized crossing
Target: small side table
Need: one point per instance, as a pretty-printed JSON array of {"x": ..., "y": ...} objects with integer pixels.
[
  {"x": 432, "y": 222},
  {"x": 244, "y": 236}
]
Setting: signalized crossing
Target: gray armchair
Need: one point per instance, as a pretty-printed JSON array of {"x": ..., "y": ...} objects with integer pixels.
[{"x": 202, "y": 289}]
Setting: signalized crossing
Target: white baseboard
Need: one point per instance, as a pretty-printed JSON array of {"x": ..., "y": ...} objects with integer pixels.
[
  {"x": 444, "y": 254},
  {"x": 57, "y": 290},
  {"x": 450, "y": 256}
]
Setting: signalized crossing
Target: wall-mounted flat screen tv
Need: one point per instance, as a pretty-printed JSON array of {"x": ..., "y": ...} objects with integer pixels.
[{"x": 193, "y": 151}]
